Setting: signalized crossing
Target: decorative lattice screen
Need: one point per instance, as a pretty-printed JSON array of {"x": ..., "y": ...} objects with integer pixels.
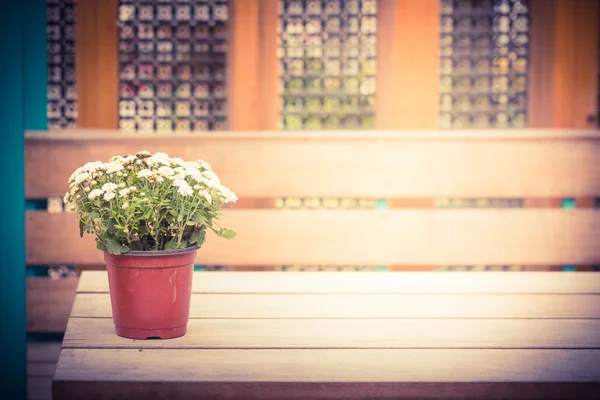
[
  {"x": 484, "y": 63},
  {"x": 327, "y": 50},
  {"x": 172, "y": 65}
]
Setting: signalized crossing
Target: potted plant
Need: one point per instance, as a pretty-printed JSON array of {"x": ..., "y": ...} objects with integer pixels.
[{"x": 150, "y": 214}]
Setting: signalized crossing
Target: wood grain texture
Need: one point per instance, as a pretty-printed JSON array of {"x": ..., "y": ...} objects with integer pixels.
[
  {"x": 356, "y": 365},
  {"x": 370, "y": 237},
  {"x": 408, "y": 45},
  {"x": 97, "y": 60},
  {"x": 49, "y": 303},
  {"x": 542, "y": 48},
  {"x": 349, "y": 333},
  {"x": 375, "y": 282},
  {"x": 241, "y": 306},
  {"x": 518, "y": 163}
]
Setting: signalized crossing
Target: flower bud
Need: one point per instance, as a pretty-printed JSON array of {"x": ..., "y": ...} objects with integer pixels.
[
  {"x": 122, "y": 185},
  {"x": 133, "y": 189},
  {"x": 72, "y": 208},
  {"x": 141, "y": 194},
  {"x": 125, "y": 230},
  {"x": 124, "y": 206},
  {"x": 197, "y": 187},
  {"x": 78, "y": 196},
  {"x": 94, "y": 182},
  {"x": 87, "y": 189}
]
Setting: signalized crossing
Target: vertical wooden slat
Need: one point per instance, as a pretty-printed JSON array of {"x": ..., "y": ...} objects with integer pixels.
[
  {"x": 408, "y": 45},
  {"x": 541, "y": 65},
  {"x": 252, "y": 65},
  {"x": 268, "y": 73},
  {"x": 242, "y": 65},
  {"x": 563, "y": 88},
  {"x": 97, "y": 63}
]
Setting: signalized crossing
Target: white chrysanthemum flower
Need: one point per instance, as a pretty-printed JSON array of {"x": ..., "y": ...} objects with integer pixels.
[
  {"x": 109, "y": 187},
  {"x": 185, "y": 190},
  {"x": 207, "y": 196},
  {"x": 143, "y": 154},
  {"x": 145, "y": 173},
  {"x": 178, "y": 169},
  {"x": 95, "y": 193},
  {"x": 159, "y": 158},
  {"x": 67, "y": 197},
  {"x": 204, "y": 164},
  {"x": 92, "y": 166},
  {"x": 212, "y": 177},
  {"x": 194, "y": 173},
  {"x": 109, "y": 196},
  {"x": 166, "y": 171},
  {"x": 129, "y": 160},
  {"x": 178, "y": 161},
  {"x": 191, "y": 164},
  {"x": 81, "y": 177},
  {"x": 124, "y": 192},
  {"x": 76, "y": 173},
  {"x": 113, "y": 167},
  {"x": 180, "y": 183},
  {"x": 228, "y": 195}
]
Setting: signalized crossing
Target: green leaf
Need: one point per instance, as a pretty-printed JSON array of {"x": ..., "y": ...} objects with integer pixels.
[
  {"x": 180, "y": 217},
  {"x": 190, "y": 223},
  {"x": 94, "y": 215},
  {"x": 198, "y": 238},
  {"x": 173, "y": 212},
  {"x": 226, "y": 233},
  {"x": 100, "y": 245},
  {"x": 115, "y": 247},
  {"x": 81, "y": 226},
  {"x": 170, "y": 244},
  {"x": 199, "y": 218}
]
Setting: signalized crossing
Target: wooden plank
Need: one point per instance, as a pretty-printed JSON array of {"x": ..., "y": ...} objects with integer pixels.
[
  {"x": 416, "y": 306},
  {"x": 390, "y": 237},
  {"x": 407, "y": 164},
  {"x": 373, "y": 365},
  {"x": 349, "y": 333},
  {"x": 408, "y": 45},
  {"x": 49, "y": 303},
  {"x": 375, "y": 282},
  {"x": 97, "y": 60},
  {"x": 243, "y": 60},
  {"x": 542, "y": 52},
  {"x": 43, "y": 351},
  {"x": 576, "y": 63}
]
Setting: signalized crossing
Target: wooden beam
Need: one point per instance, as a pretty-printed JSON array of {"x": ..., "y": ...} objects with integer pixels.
[
  {"x": 361, "y": 237},
  {"x": 563, "y": 77},
  {"x": 408, "y": 41},
  {"x": 514, "y": 163},
  {"x": 97, "y": 63},
  {"x": 49, "y": 303}
]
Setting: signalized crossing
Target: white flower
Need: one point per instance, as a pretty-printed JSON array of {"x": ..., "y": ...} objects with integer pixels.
[
  {"x": 132, "y": 189},
  {"x": 81, "y": 177},
  {"x": 185, "y": 190},
  {"x": 159, "y": 158},
  {"x": 180, "y": 183},
  {"x": 113, "y": 167},
  {"x": 212, "y": 178},
  {"x": 228, "y": 195},
  {"x": 145, "y": 173},
  {"x": 143, "y": 154},
  {"x": 124, "y": 206},
  {"x": 67, "y": 197},
  {"x": 178, "y": 161},
  {"x": 191, "y": 164},
  {"x": 179, "y": 169},
  {"x": 109, "y": 187},
  {"x": 204, "y": 164},
  {"x": 124, "y": 192},
  {"x": 207, "y": 196},
  {"x": 194, "y": 173},
  {"x": 95, "y": 193},
  {"x": 109, "y": 196},
  {"x": 166, "y": 171}
]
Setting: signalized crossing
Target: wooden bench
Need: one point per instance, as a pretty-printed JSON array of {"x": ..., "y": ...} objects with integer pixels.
[{"x": 407, "y": 170}]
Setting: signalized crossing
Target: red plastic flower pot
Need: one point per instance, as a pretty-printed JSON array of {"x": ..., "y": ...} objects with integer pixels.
[{"x": 150, "y": 292}]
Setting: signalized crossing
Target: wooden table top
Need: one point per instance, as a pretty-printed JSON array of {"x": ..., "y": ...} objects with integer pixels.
[{"x": 348, "y": 335}]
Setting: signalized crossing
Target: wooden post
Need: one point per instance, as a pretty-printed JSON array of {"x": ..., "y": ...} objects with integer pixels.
[
  {"x": 408, "y": 46},
  {"x": 563, "y": 74},
  {"x": 97, "y": 64},
  {"x": 252, "y": 65}
]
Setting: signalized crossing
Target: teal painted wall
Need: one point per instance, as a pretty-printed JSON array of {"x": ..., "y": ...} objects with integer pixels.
[{"x": 23, "y": 75}]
